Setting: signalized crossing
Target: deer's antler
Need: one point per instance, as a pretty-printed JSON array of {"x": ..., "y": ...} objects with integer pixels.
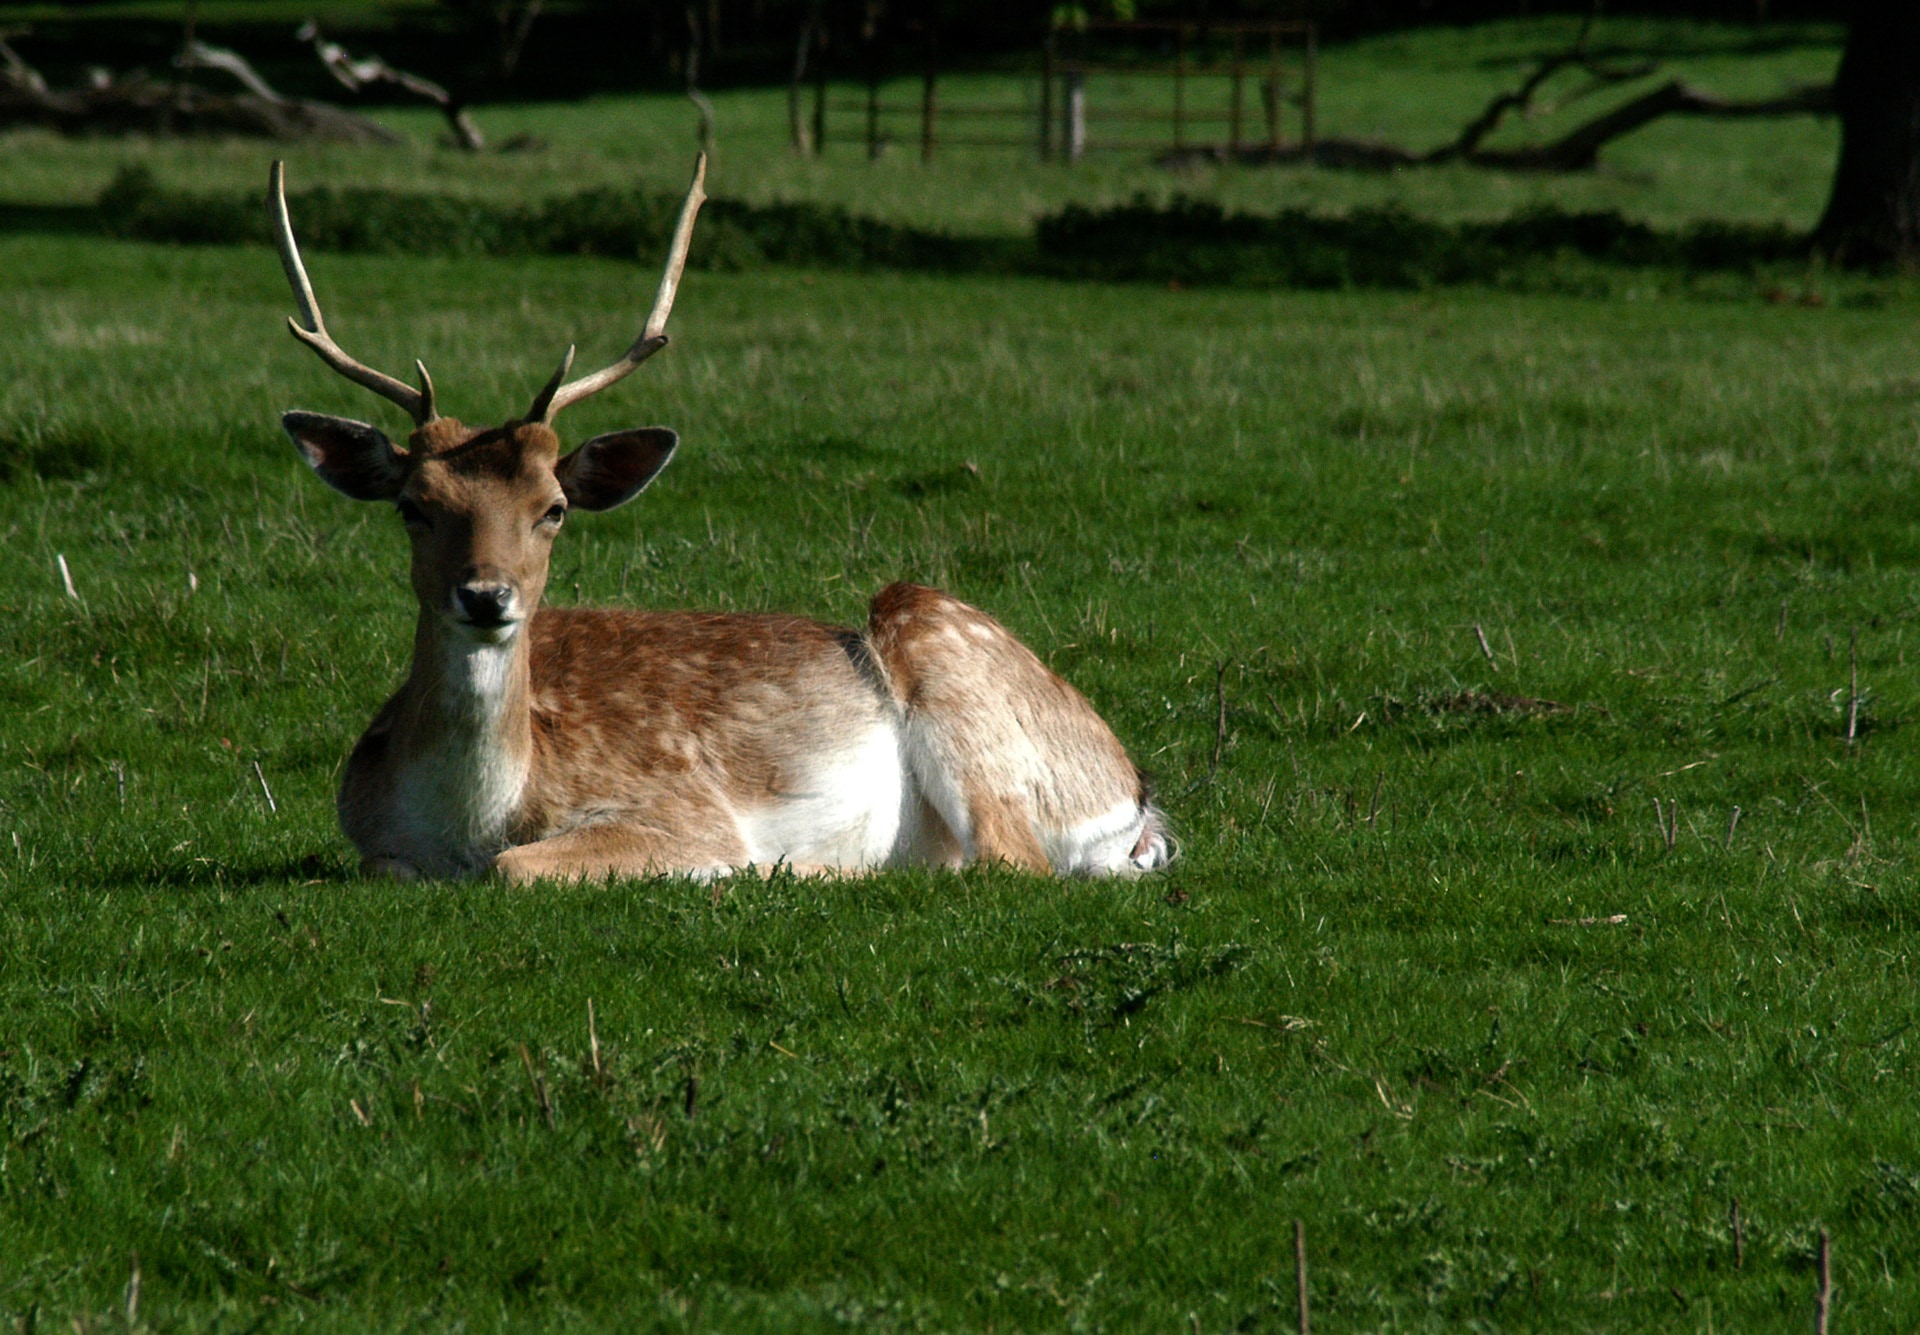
[
  {"x": 555, "y": 395},
  {"x": 418, "y": 403}
]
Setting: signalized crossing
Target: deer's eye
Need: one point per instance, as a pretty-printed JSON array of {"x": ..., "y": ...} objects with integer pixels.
[
  {"x": 410, "y": 514},
  {"x": 555, "y": 513}
]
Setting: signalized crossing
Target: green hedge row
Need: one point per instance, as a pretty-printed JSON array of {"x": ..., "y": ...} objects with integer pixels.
[
  {"x": 1199, "y": 243},
  {"x": 1185, "y": 241},
  {"x": 620, "y": 224}
]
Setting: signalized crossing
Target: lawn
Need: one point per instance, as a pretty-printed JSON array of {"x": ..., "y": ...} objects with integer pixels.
[
  {"x": 1455, "y": 626},
  {"x": 1417, "y": 90}
]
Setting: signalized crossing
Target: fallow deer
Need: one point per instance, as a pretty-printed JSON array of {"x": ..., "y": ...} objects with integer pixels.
[{"x": 568, "y": 743}]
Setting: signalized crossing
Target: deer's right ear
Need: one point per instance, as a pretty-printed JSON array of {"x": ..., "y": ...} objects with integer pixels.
[{"x": 350, "y": 457}]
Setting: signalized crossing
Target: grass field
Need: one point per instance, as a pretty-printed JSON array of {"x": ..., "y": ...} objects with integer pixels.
[
  {"x": 1428, "y": 978},
  {"x": 1416, "y": 90}
]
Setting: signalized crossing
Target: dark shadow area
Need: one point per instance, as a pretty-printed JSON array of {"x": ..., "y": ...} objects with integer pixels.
[
  {"x": 59, "y": 219},
  {"x": 209, "y": 874}
]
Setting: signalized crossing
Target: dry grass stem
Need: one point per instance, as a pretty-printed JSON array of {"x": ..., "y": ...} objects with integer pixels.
[
  {"x": 539, "y": 1088},
  {"x": 1300, "y": 1275},
  {"x": 1853, "y": 686},
  {"x": 593, "y": 1043},
  {"x": 1219, "y": 718}
]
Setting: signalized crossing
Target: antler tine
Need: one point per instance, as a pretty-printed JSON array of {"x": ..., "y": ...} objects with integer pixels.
[
  {"x": 418, "y": 403},
  {"x": 654, "y": 336},
  {"x": 542, "y": 409}
]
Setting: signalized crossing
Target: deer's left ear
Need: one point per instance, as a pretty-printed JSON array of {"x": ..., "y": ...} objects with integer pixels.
[{"x": 612, "y": 469}]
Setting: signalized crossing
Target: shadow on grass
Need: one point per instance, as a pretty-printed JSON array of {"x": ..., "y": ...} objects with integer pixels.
[
  {"x": 230, "y": 873},
  {"x": 53, "y": 219}
]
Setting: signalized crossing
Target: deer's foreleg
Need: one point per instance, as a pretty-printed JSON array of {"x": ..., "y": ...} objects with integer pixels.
[{"x": 595, "y": 852}]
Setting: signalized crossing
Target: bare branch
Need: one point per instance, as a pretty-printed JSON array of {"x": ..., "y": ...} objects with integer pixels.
[
  {"x": 16, "y": 73},
  {"x": 418, "y": 403},
  {"x": 198, "y": 55},
  {"x": 654, "y": 336},
  {"x": 355, "y": 75}
]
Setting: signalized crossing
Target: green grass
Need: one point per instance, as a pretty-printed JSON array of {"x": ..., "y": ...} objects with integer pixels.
[
  {"x": 1365, "y": 998},
  {"x": 981, "y": 1101},
  {"x": 1416, "y": 89}
]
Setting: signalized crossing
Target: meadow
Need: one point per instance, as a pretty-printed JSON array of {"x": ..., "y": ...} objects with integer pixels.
[{"x": 1525, "y": 674}]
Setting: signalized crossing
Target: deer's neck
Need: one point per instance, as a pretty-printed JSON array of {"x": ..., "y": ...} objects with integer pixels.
[{"x": 471, "y": 736}]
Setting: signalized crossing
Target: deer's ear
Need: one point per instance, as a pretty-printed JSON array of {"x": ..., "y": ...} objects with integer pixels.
[
  {"x": 612, "y": 469},
  {"x": 350, "y": 457}
]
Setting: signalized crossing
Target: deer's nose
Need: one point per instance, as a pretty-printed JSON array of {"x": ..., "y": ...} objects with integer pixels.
[{"x": 485, "y": 604}]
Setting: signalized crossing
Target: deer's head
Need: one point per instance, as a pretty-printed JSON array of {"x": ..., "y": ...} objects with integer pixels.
[{"x": 481, "y": 506}]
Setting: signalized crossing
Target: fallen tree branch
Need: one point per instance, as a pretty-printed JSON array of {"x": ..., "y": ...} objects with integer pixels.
[
  {"x": 197, "y": 55},
  {"x": 355, "y": 76},
  {"x": 15, "y": 73},
  {"x": 135, "y": 104}
]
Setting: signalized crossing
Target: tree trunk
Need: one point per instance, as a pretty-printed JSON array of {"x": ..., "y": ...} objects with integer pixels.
[{"x": 1873, "y": 214}]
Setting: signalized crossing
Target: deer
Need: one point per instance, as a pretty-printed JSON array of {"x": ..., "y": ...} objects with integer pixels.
[{"x": 536, "y": 743}]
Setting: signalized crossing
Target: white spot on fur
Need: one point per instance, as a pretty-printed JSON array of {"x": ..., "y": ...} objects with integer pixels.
[{"x": 852, "y": 812}]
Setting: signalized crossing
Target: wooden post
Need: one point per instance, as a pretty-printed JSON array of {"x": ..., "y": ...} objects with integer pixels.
[
  {"x": 1046, "y": 98},
  {"x": 796, "y": 115},
  {"x": 820, "y": 103},
  {"x": 1239, "y": 79},
  {"x": 1180, "y": 90},
  {"x": 1273, "y": 91},
  {"x": 1076, "y": 114},
  {"x": 928, "y": 95},
  {"x": 1307, "y": 88}
]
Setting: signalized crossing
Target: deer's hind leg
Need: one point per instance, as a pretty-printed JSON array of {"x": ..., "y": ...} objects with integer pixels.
[{"x": 1016, "y": 762}]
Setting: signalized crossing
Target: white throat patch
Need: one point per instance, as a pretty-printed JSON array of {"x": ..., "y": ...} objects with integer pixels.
[{"x": 459, "y": 793}]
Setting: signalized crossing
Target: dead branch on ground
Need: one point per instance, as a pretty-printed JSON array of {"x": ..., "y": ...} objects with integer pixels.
[
  {"x": 133, "y": 103},
  {"x": 356, "y": 75}
]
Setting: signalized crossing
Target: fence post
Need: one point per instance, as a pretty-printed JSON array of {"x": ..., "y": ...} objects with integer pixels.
[
  {"x": 820, "y": 103},
  {"x": 1046, "y": 98},
  {"x": 1271, "y": 92},
  {"x": 1307, "y": 82},
  {"x": 1239, "y": 79},
  {"x": 1076, "y": 114},
  {"x": 928, "y": 105},
  {"x": 1180, "y": 90}
]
